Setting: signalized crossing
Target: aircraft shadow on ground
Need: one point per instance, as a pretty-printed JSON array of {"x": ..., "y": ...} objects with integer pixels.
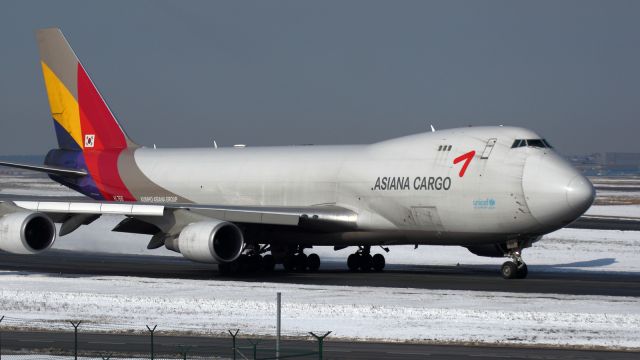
[{"x": 585, "y": 264}]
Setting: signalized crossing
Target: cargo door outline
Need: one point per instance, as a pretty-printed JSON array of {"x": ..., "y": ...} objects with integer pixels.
[
  {"x": 427, "y": 218},
  {"x": 488, "y": 149}
]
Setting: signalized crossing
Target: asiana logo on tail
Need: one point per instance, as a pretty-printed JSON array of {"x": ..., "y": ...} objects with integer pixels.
[
  {"x": 89, "y": 140},
  {"x": 408, "y": 183}
]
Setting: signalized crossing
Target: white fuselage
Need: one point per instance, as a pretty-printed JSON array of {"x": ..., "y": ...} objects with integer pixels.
[{"x": 404, "y": 190}]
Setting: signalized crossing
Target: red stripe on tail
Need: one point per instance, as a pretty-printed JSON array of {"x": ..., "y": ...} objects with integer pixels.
[{"x": 103, "y": 140}]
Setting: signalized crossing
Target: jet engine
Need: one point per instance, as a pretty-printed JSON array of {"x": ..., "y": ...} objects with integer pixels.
[
  {"x": 26, "y": 232},
  {"x": 210, "y": 241}
]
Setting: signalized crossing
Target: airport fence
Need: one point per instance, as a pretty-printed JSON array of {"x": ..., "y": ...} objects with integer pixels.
[{"x": 28, "y": 339}]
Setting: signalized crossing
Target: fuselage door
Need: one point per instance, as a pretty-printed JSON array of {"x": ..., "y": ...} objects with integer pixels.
[
  {"x": 426, "y": 218},
  {"x": 488, "y": 148}
]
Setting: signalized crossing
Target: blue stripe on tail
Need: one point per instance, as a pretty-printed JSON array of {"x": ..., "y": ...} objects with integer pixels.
[{"x": 65, "y": 141}]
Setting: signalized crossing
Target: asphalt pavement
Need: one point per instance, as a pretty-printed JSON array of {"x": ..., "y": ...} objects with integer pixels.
[
  {"x": 104, "y": 345},
  {"x": 478, "y": 278}
]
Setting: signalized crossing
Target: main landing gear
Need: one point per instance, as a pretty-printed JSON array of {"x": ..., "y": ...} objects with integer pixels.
[
  {"x": 248, "y": 263},
  {"x": 516, "y": 268},
  {"x": 299, "y": 261},
  {"x": 363, "y": 261},
  {"x": 253, "y": 261}
]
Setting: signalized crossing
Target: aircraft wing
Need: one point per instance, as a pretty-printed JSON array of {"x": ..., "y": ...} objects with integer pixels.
[{"x": 310, "y": 216}]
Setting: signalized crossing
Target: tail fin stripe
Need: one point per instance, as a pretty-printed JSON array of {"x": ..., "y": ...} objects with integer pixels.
[
  {"x": 65, "y": 141},
  {"x": 64, "y": 106},
  {"x": 96, "y": 118}
]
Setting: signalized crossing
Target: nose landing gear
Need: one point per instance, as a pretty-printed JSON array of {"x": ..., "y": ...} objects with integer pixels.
[{"x": 516, "y": 268}]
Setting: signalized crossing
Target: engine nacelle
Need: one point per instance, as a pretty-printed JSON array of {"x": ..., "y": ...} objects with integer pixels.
[
  {"x": 26, "y": 232},
  {"x": 211, "y": 241}
]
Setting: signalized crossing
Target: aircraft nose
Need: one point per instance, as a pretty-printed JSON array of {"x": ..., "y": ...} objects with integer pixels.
[
  {"x": 580, "y": 194},
  {"x": 555, "y": 192}
]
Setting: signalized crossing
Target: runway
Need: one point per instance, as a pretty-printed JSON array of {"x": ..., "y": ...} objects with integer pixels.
[
  {"x": 478, "y": 278},
  {"x": 110, "y": 344}
]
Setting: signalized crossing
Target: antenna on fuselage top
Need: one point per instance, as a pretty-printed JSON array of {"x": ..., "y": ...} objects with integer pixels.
[
  {"x": 433, "y": 129},
  {"x": 215, "y": 144}
]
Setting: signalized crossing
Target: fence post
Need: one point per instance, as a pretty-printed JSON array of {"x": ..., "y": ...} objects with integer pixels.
[
  {"x": 183, "y": 350},
  {"x": 233, "y": 335},
  {"x": 255, "y": 348},
  {"x": 320, "y": 339},
  {"x": 278, "y": 324},
  {"x": 75, "y": 338},
  {"x": 1, "y": 318},
  {"x": 152, "y": 331}
]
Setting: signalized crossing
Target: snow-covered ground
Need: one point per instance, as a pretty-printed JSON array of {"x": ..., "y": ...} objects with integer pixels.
[
  {"x": 363, "y": 313},
  {"x": 26, "y": 183},
  {"x": 615, "y": 210}
]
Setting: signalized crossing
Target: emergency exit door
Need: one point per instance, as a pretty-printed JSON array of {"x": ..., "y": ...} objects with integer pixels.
[{"x": 488, "y": 148}]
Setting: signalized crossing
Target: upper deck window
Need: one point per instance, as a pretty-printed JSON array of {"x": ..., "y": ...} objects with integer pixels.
[{"x": 539, "y": 143}]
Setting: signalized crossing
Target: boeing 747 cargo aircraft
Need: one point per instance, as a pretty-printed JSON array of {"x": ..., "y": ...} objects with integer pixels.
[{"x": 494, "y": 190}]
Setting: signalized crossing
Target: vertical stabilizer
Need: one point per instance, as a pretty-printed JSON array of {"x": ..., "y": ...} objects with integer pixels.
[
  {"x": 89, "y": 136},
  {"x": 81, "y": 117}
]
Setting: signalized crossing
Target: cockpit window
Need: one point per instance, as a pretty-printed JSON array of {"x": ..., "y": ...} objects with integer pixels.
[
  {"x": 536, "y": 143},
  {"x": 539, "y": 143}
]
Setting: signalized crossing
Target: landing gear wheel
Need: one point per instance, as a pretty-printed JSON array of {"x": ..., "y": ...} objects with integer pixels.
[
  {"x": 268, "y": 263},
  {"x": 509, "y": 270},
  {"x": 353, "y": 262},
  {"x": 366, "y": 262},
  {"x": 522, "y": 271},
  {"x": 378, "y": 262},
  {"x": 301, "y": 262},
  {"x": 313, "y": 262}
]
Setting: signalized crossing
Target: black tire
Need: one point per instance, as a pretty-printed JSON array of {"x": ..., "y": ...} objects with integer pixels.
[
  {"x": 288, "y": 263},
  {"x": 301, "y": 262},
  {"x": 366, "y": 262},
  {"x": 509, "y": 270},
  {"x": 313, "y": 261},
  {"x": 378, "y": 262},
  {"x": 522, "y": 271},
  {"x": 353, "y": 262},
  {"x": 268, "y": 263}
]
